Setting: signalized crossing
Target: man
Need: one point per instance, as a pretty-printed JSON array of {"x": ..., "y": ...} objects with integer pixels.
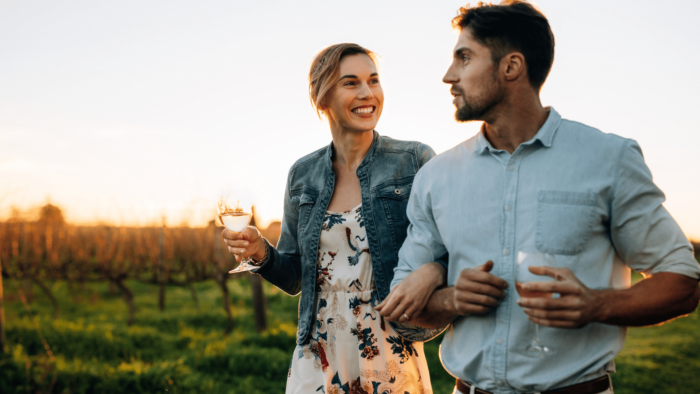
[{"x": 531, "y": 178}]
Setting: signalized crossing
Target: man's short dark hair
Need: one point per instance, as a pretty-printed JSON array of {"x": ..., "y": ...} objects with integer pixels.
[{"x": 513, "y": 25}]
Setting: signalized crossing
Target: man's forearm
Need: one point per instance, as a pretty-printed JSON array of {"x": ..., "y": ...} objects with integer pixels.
[
  {"x": 439, "y": 311},
  {"x": 651, "y": 301}
]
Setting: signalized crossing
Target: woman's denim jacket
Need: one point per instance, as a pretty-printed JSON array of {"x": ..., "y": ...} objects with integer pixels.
[{"x": 386, "y": 175}]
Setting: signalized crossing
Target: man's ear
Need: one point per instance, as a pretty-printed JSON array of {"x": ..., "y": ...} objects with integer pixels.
[{"x": 513, "y": 66}]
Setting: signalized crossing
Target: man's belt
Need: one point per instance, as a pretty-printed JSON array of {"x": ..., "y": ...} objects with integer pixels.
[{"x": 594, "y": 386}]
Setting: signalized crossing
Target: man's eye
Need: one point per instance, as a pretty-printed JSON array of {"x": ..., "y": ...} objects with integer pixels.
[{"x": 465, "y": 59}]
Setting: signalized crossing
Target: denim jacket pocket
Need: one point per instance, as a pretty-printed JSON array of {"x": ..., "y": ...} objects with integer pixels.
[
  {"x": 564, "y": 221},
  {"x": 394, "y": 197},
  {"x": 305, "y": 200}
]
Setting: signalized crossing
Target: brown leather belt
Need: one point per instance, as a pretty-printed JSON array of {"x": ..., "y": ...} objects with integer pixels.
[{"x": 594, "y": 386}]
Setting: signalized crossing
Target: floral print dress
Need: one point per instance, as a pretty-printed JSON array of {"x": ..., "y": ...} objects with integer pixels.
[{"x": 353, "y": 350}]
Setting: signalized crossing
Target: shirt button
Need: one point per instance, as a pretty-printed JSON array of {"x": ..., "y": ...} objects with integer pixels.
[
  {"x": 499, "y": 341},
  {"x": 506, "y": 252},
  {"x": 500, "y": 383},
  {"x": 511, "y": 168},
  {"x": 507, "y": 208}
]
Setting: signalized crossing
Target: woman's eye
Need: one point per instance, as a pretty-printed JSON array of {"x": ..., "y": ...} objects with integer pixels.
[
  {"x": 374, "y": 81},
  {"x": 349, "y": 84},
  {"x": 465, "y": 59}
]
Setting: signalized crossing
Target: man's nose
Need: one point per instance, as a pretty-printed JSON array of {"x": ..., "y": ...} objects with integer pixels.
[{"x": 450, "y": 76}]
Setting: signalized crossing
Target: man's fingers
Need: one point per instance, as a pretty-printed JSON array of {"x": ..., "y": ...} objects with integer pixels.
[
  {"x": 552, "y": 287},
  {"x": 563, "y": 315},
  {"x": 551, "y": 304},
  {"x": 477, "y": 299},
  {"x": 480, "y": 288},
  {"x": 473, "y": 275},
  {"x": 554, "y": 323},
  {"x": 486, "y": 267}
]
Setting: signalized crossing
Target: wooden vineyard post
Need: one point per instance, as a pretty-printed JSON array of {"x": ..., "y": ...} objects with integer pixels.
[
  {"x": 221, "y": 277},
  {"x": 259, "y": 299},
  {"x": 161, "y": 269},
  {"x": 3, "y": 340}
]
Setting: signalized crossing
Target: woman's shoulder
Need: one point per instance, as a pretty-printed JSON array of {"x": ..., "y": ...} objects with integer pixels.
[{"x": 415, "y": 147}]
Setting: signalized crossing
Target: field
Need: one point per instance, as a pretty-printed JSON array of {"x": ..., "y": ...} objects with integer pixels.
[{"x": 91, "y": 349}]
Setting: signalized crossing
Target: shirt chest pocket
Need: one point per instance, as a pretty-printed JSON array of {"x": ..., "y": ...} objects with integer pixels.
[
  {"x": 564, "y": 221},
  {"x": 394, "y": 199}
]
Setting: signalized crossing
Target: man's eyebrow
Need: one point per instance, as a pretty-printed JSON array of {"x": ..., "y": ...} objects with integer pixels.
[{"x": 462, "y": 51}]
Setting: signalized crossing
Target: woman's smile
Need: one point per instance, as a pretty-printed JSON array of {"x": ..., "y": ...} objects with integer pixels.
[{"x": 365, "y": 111}]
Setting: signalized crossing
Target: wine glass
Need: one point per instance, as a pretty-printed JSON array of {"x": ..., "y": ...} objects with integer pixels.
[
  {"x": 528, "y": 257},
  {"x": 235, "y": 211}
]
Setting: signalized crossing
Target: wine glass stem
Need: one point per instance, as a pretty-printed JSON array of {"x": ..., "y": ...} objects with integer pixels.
[{"x": 537, "y": 333}]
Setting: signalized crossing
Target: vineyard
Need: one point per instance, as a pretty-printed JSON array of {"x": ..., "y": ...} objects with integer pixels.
[{"x": 105, "y": 309}]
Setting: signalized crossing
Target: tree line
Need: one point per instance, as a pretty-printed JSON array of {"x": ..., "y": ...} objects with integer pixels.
[{"x": 48, "y": 249}]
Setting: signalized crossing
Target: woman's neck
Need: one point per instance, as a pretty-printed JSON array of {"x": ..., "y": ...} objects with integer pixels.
[{"x": 350, "y": 147}]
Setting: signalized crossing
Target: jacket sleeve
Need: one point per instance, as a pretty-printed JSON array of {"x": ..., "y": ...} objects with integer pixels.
[
  {"x": 410, "y": 331},
  {"x": 283, "y": 265}
]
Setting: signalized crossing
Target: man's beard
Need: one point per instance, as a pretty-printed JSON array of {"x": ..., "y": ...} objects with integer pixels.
[{"x": 478, "y": 108}]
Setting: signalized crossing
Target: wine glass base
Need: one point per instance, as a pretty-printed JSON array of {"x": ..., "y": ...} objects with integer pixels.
[
  {"x": 243, "y": 267},
  {"x": 536, "y": 350}
]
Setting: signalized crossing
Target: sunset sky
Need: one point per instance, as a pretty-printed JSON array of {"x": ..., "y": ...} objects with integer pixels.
[{"x": 126, "y": 111}]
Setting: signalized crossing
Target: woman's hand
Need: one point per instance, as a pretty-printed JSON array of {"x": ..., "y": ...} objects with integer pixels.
[
  {"x": 248, "y": 243},
  {"x": 409, "y": 297}
]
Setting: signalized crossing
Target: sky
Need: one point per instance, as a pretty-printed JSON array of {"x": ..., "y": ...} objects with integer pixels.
[{"x": 128, "y": 111}]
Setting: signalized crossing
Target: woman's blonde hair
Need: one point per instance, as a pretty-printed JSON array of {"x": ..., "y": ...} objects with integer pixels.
[{"x": 325, "y": 70}]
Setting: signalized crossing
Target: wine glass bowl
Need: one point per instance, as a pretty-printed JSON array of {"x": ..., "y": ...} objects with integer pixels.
[
  {"x": 528, "y": 257},
  {"x": 235, "y": 212}
]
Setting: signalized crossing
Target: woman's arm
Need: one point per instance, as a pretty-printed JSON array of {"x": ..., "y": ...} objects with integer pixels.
[{"x": 282, "y": 267}]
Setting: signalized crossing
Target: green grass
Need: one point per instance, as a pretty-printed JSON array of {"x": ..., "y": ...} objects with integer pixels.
[{"x": 183, "y": 350}]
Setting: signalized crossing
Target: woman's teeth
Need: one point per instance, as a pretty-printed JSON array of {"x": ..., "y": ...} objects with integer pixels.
[{"x": 363, "y": 110}]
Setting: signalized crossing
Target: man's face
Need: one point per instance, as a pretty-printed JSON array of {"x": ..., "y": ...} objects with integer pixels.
[{"x": 476, "y": 85}]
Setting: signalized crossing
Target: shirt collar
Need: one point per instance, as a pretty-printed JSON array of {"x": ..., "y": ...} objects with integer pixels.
[{"x": 545, "y": 135}]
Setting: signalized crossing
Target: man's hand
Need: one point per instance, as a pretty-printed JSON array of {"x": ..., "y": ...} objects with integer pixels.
[
  {"x": 411, "y": 294},
  {"x": 477, "y": 291},
  {"x": 248, "y": 243},
  {"x": 664, "y": 296},
  {"x": 576, "y": 306}
]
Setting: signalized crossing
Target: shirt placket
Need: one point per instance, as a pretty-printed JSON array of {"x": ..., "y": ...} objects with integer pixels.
[{"x": 505, "y": 270}]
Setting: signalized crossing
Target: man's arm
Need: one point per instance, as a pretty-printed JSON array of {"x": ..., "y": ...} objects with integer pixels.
[
  {"x": 647, "y": 239},
  {"x": 439, "y": 311},
  {"x": 651, "y": 301}
]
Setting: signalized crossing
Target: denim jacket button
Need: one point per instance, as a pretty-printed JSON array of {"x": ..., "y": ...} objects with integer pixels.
[{"x": 397, "y": 191}]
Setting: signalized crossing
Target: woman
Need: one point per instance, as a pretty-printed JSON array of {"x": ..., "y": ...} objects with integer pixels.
[{"x": 344, "y": 222}]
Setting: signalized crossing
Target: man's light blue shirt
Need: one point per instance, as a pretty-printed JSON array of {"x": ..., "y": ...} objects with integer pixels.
[{"x": 585, "y": 196}]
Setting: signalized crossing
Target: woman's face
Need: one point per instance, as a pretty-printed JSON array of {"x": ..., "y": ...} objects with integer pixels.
[{"x": 355, "y": 102}]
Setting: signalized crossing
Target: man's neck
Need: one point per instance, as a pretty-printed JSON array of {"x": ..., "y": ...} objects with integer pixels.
[{"x": 515, "y": 121}]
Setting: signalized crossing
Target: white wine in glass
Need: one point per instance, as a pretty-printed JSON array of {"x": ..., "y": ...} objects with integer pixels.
[
  {"x": 528, "y": 257},
  {"x": 235, "y": 211}
]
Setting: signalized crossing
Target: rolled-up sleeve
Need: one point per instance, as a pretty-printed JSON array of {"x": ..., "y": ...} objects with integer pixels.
[
  {"x": 644, "y": 234},
  {"x": 423, "y": 242}
]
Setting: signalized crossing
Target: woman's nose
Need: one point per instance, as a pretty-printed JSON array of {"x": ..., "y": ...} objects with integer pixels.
[{"x": 365, "y": 92}]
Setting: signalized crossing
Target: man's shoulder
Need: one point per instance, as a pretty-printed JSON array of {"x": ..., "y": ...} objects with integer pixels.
[
  {"x": 581, "y": 134},
  {"x": 457, "y": 155}
]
